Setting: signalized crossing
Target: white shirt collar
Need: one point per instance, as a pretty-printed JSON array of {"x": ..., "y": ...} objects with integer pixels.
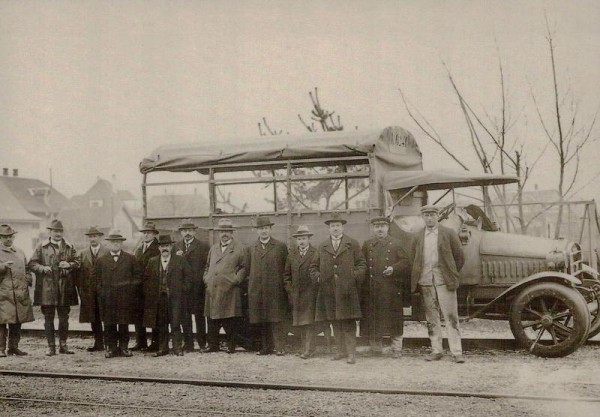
[{"x": 115, "y": 253}]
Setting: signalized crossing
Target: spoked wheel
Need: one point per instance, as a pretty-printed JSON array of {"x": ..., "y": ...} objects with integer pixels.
[{"x": 549, "y": 319}]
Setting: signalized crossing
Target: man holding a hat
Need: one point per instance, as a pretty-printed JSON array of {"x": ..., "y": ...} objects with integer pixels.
[
  {"x": 388, "y": 268},
  {"x": 437, "y": 259},
  {"x": 88, "y": 286},
  {"x": 225, "y": 273},
  {"x": 54, "y": 262},
  {"x": 195, "y": 252},
  {"x": 167, "y": 279},
  {"x": 15, "y": 304},
  {"x": 119, "y": 277},
  {"x": 339, "y": 267},
  {"x": 301, "y": 290},
  {"x": 146, "y": 250}
]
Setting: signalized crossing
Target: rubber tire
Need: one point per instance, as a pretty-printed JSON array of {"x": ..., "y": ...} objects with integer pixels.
[
  {"x": 595, "y": 321},
  {"x": 574, "y": 302}
]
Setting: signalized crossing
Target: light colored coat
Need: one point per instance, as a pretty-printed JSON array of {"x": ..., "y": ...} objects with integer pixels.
[{"x": 15, "y": 304}]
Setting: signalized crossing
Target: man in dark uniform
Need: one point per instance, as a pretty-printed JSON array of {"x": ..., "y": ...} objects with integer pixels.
[
  {"x": 148, "y": 249},
  {"x": 388, "y": 269},
  {"x": 88, "y": 286},
  {"x": 195, "y": 253}
]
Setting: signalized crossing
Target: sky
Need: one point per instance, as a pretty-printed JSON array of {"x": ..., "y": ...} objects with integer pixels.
[{"x": 89, "y": 88}]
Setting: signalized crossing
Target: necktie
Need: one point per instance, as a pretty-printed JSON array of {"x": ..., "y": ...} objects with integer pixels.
[
  {"x": 115, "y": 256},
  {"x": 336, "y": 244}
]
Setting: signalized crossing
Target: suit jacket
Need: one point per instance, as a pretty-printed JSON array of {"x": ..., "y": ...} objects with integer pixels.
[
  {"x": 340, "y": 275},
  {"x": 196, "y": 259},
  {"x": 450, "y": 254},
  {"x": 301, "y": 289},
  {"x": 87, "y": 284},
  {"x": 225, "y": 273},
  {"x": 178, "y": 282},
  {"x": 267, "y": 299}
]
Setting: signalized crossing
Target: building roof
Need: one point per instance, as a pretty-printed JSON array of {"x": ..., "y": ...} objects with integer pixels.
[
  {"x": 11, "y": 210},
  {"x": 35, "y": 196}
]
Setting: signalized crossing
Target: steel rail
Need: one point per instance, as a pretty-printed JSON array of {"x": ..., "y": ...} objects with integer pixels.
[{"x": 291, "y": 387}]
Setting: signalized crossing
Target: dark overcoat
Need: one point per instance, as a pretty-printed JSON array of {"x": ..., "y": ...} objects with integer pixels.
[
  {"x": 87, "y": 284},
  {"x": 120, "y": 289},
  {"x": 178, "y": 282},
  {"x": 143, "y": 257},
  {"x": 340, "y": 275},
  {"x": 450, "y": 255},
  {"x": 225, "y": 273},
  {"x": 301, "y": 289},
  {"x": 382, "y": 295},
  {"x": 196, "y": 258},
  {"x": 15, "y": 304},
  {"x": 267, "y": 299},
  {"x": 56, "y": 288}
]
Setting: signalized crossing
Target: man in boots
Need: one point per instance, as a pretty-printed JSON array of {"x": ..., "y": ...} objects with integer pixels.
[
  {"x": 15, "y": 304},
  {"x": 54, "y": 263}
]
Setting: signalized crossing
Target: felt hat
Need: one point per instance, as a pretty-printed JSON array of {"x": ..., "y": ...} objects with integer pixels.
[
  {"x": 303, "y": 230},
  {"x": 335, "y": 217}
]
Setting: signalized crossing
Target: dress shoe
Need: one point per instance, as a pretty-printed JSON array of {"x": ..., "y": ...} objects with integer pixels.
[
  {"x": 152, "y": 348},
  {"x": 51, "y": 351},
  {"x": 188, "y": 347},
  {"x": 459, "y": 359},
  {"x": 16, "y": 352},
  {"x": 2, "y": 354},
  {"x": 280, "y": 353},
  {"x": 339, "y": 356},
  {"x": 160, "y": 353},
  {"x": 263, "y": 352},
  {"x": 111, "y": 354},
  {"x": 126, "y": 353},
  {"x": 138, "y": 347},
  {"x": 178, "y": 352},
  {"x": 433, "y": 357},
  {"x": 95, "y": 348},
  {"x": 307, "y": 355},
  {"x": 211, "y": 349},
  {"x": 351, "y": 360},
  {"x": 396, "y": 355},
  {"x": 65, "y": 350}
]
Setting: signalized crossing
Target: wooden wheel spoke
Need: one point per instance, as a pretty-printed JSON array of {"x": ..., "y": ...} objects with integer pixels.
[
  {"x": 543, "y": 305},
  {"x": 553, "y": 306},
  {"x": 561, "y": 315},
  {"x": 562, "y": 330},
  {"x": 528, "y": 309},
  {"x": 553, "y": 333},
  {"x": 531, "y": 324},
  {"x": 537, "y": 339}
]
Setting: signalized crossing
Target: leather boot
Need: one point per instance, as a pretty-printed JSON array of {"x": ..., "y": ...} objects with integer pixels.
[
  {"x": 62, "y": 348},
  {"x": 51, "y": 351},
  {"x": 51, "y": 338}
]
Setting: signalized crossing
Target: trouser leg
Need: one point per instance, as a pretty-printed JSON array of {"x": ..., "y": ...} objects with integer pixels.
[
  {"x": 213, "y": 333},
  {"x": 449, "y": 307},
  {"x": 187, "y": 325},
  {"x": 141, "y": 336},
  {"x": 123, "y": 335},
  {"x": 162, "y": 323},
  {"x": 110, "y": 331},
  {"x": 279, "y": 334},
  {"x": 14, "y": 335},
  {"x": 49, "y": 312},
  {"x": 338, "y": 330},
  {"x": 231, "y": 326},
  {"x": 375, "y": 335},
  {"x": 349, "y": 327},
  {"x": 63, "y": 323},
  {"x": 309, "y": 336},
  {"x": 432, "y": 315},
  {"x": 200, "y": 326},
  {"x": 3, "y": 336},
  {"x": 97, "y": 326},
  {"x": 266, "y": 334}
]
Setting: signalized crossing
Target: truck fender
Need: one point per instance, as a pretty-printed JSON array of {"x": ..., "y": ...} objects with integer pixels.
[{"x": 544, "y": 276}]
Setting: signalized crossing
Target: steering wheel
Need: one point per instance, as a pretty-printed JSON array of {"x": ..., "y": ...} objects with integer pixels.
[{"x": 445, "y": 212}]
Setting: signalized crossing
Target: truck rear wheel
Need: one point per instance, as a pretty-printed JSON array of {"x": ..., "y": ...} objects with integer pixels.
[{"x": 549, "y": 319}]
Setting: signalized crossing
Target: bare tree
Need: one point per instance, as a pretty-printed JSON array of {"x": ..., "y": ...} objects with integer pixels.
[{"x": 323, "y": 117}]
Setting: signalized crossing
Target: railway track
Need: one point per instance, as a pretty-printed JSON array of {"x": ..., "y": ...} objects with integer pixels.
[{"x": 287, "y": 387}]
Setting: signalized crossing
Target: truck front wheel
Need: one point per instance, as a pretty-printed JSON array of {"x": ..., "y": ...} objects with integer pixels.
[{"x": 549, "y": 319}]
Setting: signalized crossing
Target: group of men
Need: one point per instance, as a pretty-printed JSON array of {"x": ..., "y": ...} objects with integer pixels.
[{"x": 263, "y": 286}]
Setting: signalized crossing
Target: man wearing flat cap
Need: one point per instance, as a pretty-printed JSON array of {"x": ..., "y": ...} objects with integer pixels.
[
  {"x": 119, "y": 277},
  {"x": 437, "y": 259},
  {"x": 339, "y": 267},
  {"x": 87, "y": 286},
  {"x": 224, "y": 276},
  {"x": 195, "y": 252},
  {"x": 267, "y": 300},
  {"x": 166, "y": 281},
  {"x": 143, "y": 252},
  {"x": 387, "y": 269},
  {"x": 54, "y": 262},
  {"x": 15, "y": 304}
]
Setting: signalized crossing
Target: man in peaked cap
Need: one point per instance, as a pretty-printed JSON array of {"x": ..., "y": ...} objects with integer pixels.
[
  {"x": 195, "y": 252},
  {"x": 339, "y": 268},
  {"x": 437, "y": 259},
  {"x": 88, "y": 286},
  {"x": 54, "y": 262},
  {"x": 387, "y": 270},
  {"x": 267, "y": 299}
]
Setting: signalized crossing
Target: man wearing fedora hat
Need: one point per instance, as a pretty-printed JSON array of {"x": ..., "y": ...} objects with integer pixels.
[
  {"x": 167, "y": 279},
  {"x": 301, "y": 290},
  {"x": 382, "y": 293},
  {"x": 195, "y": 252},
  {"x": 147, "y": 249},
  {"x": 54, "y": 262},
  {"x": 437, "y": 259},
  {"x": 15, "y": 304},
  {"x": 224, "y": 276},
  {"x": 267, "y": 300},
  {"x": 339, "y": 268},
  {"x": 119, "y": 277},
  {"x": 88, "y": 287}
]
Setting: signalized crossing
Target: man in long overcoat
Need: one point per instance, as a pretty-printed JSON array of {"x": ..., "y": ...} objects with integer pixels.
[
  {"x": 166, "y": 281},
  {"x": 301, "y": 289},
  {"x": 339, "y": 267},
  {"x": 388, "y": 270},
  {"x": 148, "y": 249},
  {"x": 54, "y": 263},
  {"x": 15, "y": 304},
  {"x": 437, "y": 259},
  {"x": 225, "y": 273},
  {"x": 87, "y": 286},
  {"x": 267, "y": 299},
  {"x": 120, "y": 278},
  {"x": 195, "y": 253}
]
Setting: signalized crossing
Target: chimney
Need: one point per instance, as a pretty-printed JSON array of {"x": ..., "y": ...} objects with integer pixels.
[
  {"x": 5, "y": 171},
  {"x": 15, "y": 172}
]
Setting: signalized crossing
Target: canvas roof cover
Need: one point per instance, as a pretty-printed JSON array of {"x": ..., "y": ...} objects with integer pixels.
[
  {"x": 442, "y": 179},
  {"x": 393, "y": 148}
]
